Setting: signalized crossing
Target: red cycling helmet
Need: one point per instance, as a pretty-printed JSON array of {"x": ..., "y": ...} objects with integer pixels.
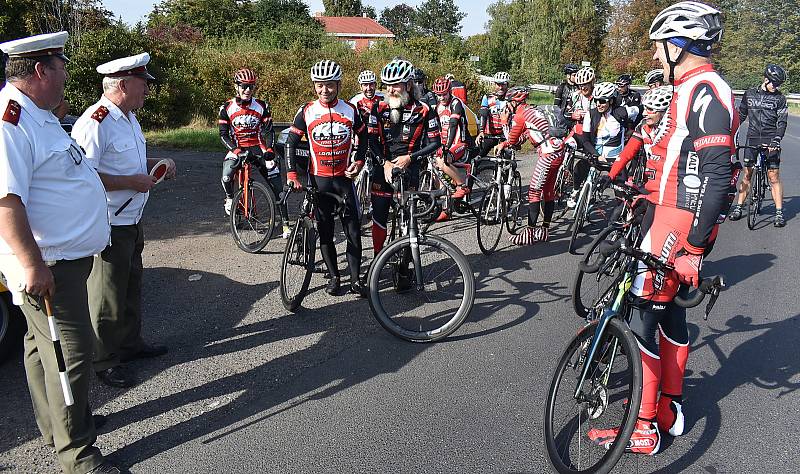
[
  {"x": 244, "y": 76},
  {"x": 441, "y": 86},
  {"x": 517, "y": 94}
]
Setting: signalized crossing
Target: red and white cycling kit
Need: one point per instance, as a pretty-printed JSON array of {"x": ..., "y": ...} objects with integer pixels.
[
  {"x": 365, "y": 104},
  {"x": 453, "y": 130},
  {"x": 244, "y": 124}
]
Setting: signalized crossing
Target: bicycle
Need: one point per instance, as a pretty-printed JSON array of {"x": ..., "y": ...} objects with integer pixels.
[
  {"x": 564, "y": 182},
  {"x": 433, "y": 178},
  {"x": 361, "y": 184},
  {"x": 501, "y": 202},
  {"x": 252, "y": 218},
  {"x": 299, "y": 258},
  {"x": 600, "y": 371},
  {"x": 412, "y": 279},
  {"x": 588, "y": 207},
  {"x": 759, "y": 183}
]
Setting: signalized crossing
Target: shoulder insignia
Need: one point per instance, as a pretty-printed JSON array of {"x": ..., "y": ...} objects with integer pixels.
[
  {"x": 100, "y": 114},
  {"x": 12, "y": 113}
]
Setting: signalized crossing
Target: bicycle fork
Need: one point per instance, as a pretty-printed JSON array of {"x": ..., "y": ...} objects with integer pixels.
[{"x": 413, "y": 239}]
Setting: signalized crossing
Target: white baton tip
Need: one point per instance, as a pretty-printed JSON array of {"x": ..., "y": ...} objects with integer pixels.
[
  {"x": 51, "y": 321},
  {"x": 68, "y": 400}
]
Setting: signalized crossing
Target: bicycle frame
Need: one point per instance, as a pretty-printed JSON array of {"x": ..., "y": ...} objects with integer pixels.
[{"x": 243, "y": 179}]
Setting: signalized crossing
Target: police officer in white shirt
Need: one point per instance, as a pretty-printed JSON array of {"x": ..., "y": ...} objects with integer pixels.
[
  {"x": 52, "y": 220},
  {"x": 115, "y": 145}
]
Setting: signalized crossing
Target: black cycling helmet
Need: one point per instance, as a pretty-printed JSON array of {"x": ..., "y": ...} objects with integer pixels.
[
  {"x": 775, "y": 74},
  {"x": 624, "y": 80},
  {"x": 419, "y": 75},
  {"x": 570, "y": 69}
]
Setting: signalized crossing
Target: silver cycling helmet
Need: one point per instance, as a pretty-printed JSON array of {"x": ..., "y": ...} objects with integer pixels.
[
  {"x": 326, "y": 70},
  {"x": 585, "y": 75},
  {"x": 657, "y": 99},
  {"x": 692, "y": 20},
  {"x": 367, "y": 77},
  {"x": 502, "y": 77},
  {"x": 653, "y": 76},
  {"x": 397, "y": 71},
  {"x": 604, "y": 90}
]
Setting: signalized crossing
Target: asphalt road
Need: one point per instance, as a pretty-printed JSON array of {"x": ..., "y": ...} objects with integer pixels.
[{"x": 248, "y": 387}]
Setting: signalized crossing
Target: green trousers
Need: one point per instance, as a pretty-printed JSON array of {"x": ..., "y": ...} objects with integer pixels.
[
  {"x": 69, "y": 429},
  {"x": 115, "y": 297}
]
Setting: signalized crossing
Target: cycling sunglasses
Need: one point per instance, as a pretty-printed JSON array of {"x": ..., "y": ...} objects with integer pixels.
[
  {"x": 602, "y": 101},
  {"x": 247, "y": 86}
]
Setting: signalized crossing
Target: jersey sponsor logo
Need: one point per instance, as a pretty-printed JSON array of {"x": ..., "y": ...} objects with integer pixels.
[
  {"x": 712, "y": 140},
  {"x": 691, "y": 179},
  {"x": 245, "y": 122},
  {"x": 432, "y": 123},
  {"x": 330, "y": 134},
  {"x": 666, "y": 253},
  {"x": 701, "y": 104}
]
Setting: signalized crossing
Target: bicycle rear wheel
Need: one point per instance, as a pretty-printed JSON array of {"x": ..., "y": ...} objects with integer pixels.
[
  {"x": 252, "y": 218},
  {"x": 298, "y": 263},
  {"x": 490, "y": 220},
  {"x": 609, "y": 398},
  {"x": 514, "y": 201},
  {"x": 754, "y": 199},
  {"x": 426, "y": 310},
  {"x": 361, "y": 186},
  {"x": 562, "y": 190},
  {"x": 593, "y": 290},
  {"x": 580, "y": 217}
]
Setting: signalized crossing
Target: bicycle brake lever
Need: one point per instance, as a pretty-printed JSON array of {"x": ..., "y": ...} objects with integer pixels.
[{"x": 713, "y": 292}]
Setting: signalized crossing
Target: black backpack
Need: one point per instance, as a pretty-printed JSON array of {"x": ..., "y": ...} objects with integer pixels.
[{"x": 559, "y": 126}]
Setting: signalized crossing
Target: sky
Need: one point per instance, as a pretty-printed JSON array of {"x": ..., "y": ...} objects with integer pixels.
[{"x": 132, "y": 11}]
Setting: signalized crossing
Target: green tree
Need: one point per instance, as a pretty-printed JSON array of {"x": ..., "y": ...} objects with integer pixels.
[
  {"x": 369, "y": 11},
  {"x": 401, "y": 20},
  {"x": 215, "y": 18},
  {"x": 342, "y": 7},
  {"x": 439, "y": 18},
  {"x": 12, "y": 19}
]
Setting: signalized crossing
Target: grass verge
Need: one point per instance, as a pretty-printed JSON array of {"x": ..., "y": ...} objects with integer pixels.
[
  {"x": 794, "y": 108},
  {"x": 187, "y": 138}
]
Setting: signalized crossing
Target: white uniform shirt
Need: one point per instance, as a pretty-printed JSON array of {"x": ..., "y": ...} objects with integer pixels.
[
  {"x": 114, "y": 145},
  {"x": 63, "y": 196}
]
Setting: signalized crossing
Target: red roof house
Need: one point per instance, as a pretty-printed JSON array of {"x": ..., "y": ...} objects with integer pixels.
[{"x": 357, "y": 32}]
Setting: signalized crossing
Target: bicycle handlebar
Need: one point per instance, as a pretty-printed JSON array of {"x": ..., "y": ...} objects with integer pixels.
[
  {"x": 708, "y": 286},
  {"x": 313, "y": 191}
]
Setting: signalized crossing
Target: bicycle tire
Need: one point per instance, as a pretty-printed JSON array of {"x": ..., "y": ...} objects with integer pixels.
[
  {"x": 243, "y": 226},
  {"x": 490, "y": 217},
  {"x": 361, "y": 185},
  {"x": 384, "y": 271},
  {"x": 582, "y": 302},
  {"x": 562, "y": 187},
  {"x": 514, "y": 204},
  {"x": 580, "y": 217},
  {"x": 300, "y": 252},
  {"x": 753, "y": 199},
  {"x": 557, "y": 438}
]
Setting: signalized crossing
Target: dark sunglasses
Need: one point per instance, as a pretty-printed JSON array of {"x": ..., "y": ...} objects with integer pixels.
[
  {"x": 247, "y": 86},
  {"x": 602, "y": 101}
]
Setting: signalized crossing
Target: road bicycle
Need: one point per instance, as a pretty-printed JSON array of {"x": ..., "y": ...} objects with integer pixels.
[
  {"x": 501, "y": 202},
  {"x": 299, "y": 258},
  {"x": 421, "y": 286},
  {"x": 252, "y": 217},
  {"x": 597, "y": 382},
  {"x": 590, "y": 207},
  {"x": 759, "y": 182},
  {"x": 479, "y": 173}
]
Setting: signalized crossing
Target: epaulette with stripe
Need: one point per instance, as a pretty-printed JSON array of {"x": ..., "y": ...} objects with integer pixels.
[
  {"x": 100, "y": 114},
  {"x": 12, "y": 113}
]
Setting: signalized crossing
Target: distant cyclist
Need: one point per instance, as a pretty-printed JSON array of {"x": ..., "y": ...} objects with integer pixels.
[
  {"x": 528, "y": 123},
  {"x": 421, "y": 87},
  {"x": 368, "y": 95},
  {"x": 457, "y": 88},
  {"x": 654, "y": 78},
  {"x": 452, "y": 123},
  {"x": 490, "y": 123},
  {"x": 766, "y": 108},
  {"x": 245, "y": 127},
  {"x": 630, "y": 99},
  {"x": 566, "y": 90},
  {"x": 331, "y": 126}
]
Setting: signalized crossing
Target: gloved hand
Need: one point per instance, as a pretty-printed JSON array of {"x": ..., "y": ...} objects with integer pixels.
[
  {"x": 603, "y": 181},
  {"x": 293, "y": 180},
  {"x": 687, "y": 265}
]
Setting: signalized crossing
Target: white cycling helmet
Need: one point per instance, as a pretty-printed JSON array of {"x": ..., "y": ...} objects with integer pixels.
[
  {"x": 658, "y": 99},
  {"x": 604, "y": 90},
  {"x": 654, "y": 76},
  {"x": 397, "y": 71},
  {"x": 585, "y": 75},
  {"x": 326, "y": 70},
  {"x": 367, "y": 77},
  {"x": 692, "y": 20},
  {"x": 502, "y": 77}
]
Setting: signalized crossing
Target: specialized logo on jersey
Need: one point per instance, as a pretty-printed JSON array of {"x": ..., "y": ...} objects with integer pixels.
[
  {"x": 701, "y": 104},
  {"x": 330, "y": 134}
]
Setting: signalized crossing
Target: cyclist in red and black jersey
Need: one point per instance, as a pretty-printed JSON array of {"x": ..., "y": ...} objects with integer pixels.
[
  {"x": 368, "y": 95},
  {"x": 457, "y": 88},
  {"x": 245, "y": 126},
  {"x": 402, "y": 130},
  {"x": 331, "y": 126},
  {"x": 528, "y": 123},
  {"x": 691, "y": 177},
  {"x": 490, "y": 122},
  {"x": 452, "y": 121}
]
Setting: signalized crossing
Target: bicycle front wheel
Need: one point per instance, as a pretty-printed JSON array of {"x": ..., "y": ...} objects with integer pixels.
[
  {"x": 580, "y": 217},
  {"x": 608, "y": 398},
  {"x": 426, "y": 309},
  {"x": 252, "y": 218},
  {"x": 298, "y": 263},
  {"x": 514, "y": 214},
  {"x": 595, "y": 290},
  {"x": 754, "y": 199},
  {"x": 490, "y": 220}
]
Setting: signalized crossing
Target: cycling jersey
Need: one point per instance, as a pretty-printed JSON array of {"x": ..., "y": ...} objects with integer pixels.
[
  {"x": 429, "y": 98},
  {"x": 692, "y": 163},
  {"x": 603, "y": 133},
  {"x": 364, "y": 104},
  {"x": 246, "y": 123},
  {"x": 452, "y": 120},
  {"x": 490, "y": 122},
  {"x": 330, "y": 129},
  {"x": 632, "y": 101},
  {"x": 459, "y": 90},
  {"x": 564, "y": 96},
  {"x": 767, "y": 113}
]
